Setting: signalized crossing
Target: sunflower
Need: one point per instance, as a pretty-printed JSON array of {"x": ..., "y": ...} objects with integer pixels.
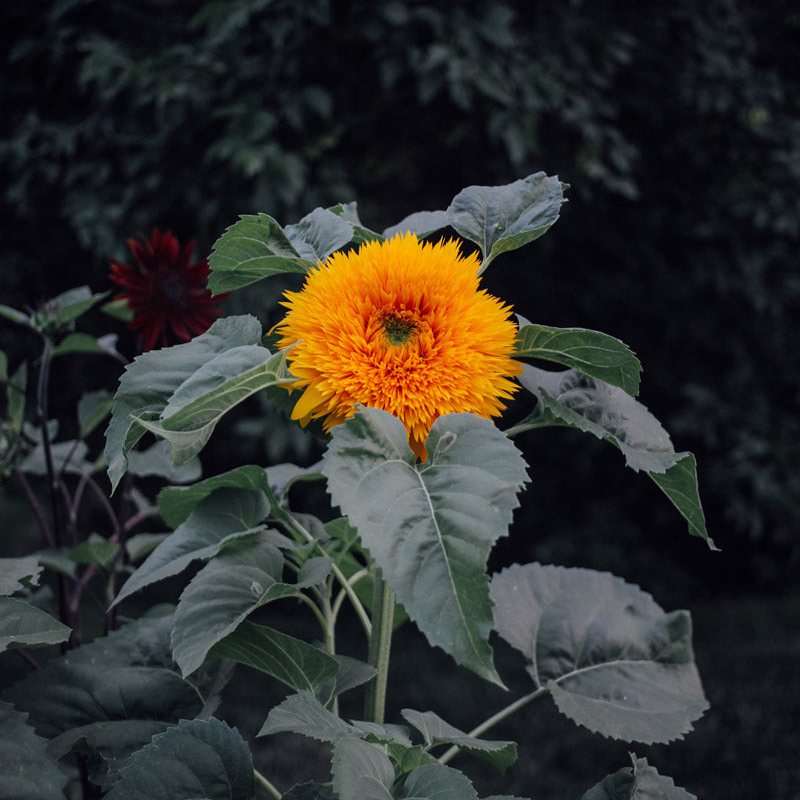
[
  {"x": 403, "y": 326},
  {"x": 165, "y": 291}
]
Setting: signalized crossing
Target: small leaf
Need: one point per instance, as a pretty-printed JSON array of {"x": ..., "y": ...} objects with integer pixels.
[
  {"x": 197, "y": 760},
  {"x": 95, "y": 551},
  {"x": 438, "y": 782},
  {"x": 302, "y": 713},
  {"x": 70, "y": 305},
  {"x": 82, "y": 343},
  {"x": 15, "y": 396},
  {"x": 319, "y": 234},
  {"x": 421, "y": 223},
  {"x": 93, "y": 408},
  {"x": 24, "y": 625},
  {"x": 253, "y": 248},
  {"x": 593, "y": 353},
  {"x": 68, "y": 456},
  {"x": 502, "y": 218},
  {"x": 292, "y": 661},
  {"x": 361, "y": 771},
  {"x": 225, "y": 516},
  {"x": 612, "y": 660},
  {"x": 642, "y": 782},
  {"x": 13, "y": 315},
  {"x": 361, "y": 234},
  {"x": 27, "y": 772},
  {"x": 19, "y": 573},
  {"x": 430, "y": 526}
]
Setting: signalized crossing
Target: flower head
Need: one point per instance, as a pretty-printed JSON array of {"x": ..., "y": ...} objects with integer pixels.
[
  {"x": 403, "y": 326},
  {"x": 165, "y": 291}
]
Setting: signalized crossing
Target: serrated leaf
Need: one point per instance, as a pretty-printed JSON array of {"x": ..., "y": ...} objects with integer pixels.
[
  {"x": 27, "y": 772},
  {"x": 253, "y": 248},
  {"x": 195, "y": 408},
  {"x": 24, "y": 625},
  {"x": 197, "y": 760},
  {"x": 19, "y": 573},
  {"x": 429, "y": 527},
  {"x": 435, "y": 731},
  {"x": 319, "y": 234},
  {"x": 421, "y": 223},
  {"x": 576, "y": 400},
  {"x": 502, "y": 218},
  {"x": 593, "y": 353},
  {"x": 226, "y": 515},
  {"x": 292, "y": 661},
  {"x": 438, "y": 782},
  {"x": 302, "y": 713},
  {"x": 361, "y": 771},
  {"x": 176, "y": 503},
  {"x": 244, "y": 577},
  {"x": 151, "y": 379},
  {"x": 641, "y": 782},
  {"x": 611, "y": 658}
]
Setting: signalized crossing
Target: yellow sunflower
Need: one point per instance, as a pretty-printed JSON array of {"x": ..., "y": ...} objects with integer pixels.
[{"x": 403, "y": 326}]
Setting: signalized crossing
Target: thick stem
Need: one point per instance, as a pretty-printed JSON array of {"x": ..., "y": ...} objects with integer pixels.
[{"x": 380, "y": 643}]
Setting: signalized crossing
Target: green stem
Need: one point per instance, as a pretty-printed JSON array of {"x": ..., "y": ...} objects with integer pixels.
[
  {"x": 494, "y": 719},
  {"x": 380, "y": 643},
  {"x": 263, "y": 782}
]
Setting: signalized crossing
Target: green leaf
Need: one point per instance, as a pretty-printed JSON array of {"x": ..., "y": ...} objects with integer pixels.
[
  {"x": 176, "y": 503},
  {"x": 253, "y": 248},
  {"x": 95, "y": 551},
  {"x": 69, "y": 456},
  {"x": 361, "y": 771},
  {"x": 197, "y": 760},
  {"x": 226, "y": 515},
  {"x": 430, "y": 526},
  {"x": 15, "y": 396},
  {"x": 576, "y": 400},
  {"x": 244, "y": 577},
  {"x": 24, "y": 625},
  {"x": 611, "y": 658},
  {"x": 70, "y": 305},
  {"x": 502, "y": 218},
  {"x": 641, "y": 782},
  {"x": 13, "y": 315},
  {"x": 421, "y": 223},
  {"x": 196, "y": 407},
  {"x": 319, "y": 234},
  {"x": 19, "y": 573},
  {"x": 157, "y": 460},
  {"x": 435, "y": 731},
  {"x": 304, "y": 714},
  {"x": 118, "y": 309},
  {"x": 150, "y": 381},
  {"x": 84, "y": 343},
  {"x": 593, "y": 353},
  {"x": 290, "y": 660},
  {"x": 27, "y": 772},
  {"x": 361, "y": 234},
  {"x": 438, "y": 782},
  {"x": 93, "y": 408},
  {"x": 310, "y": 791}
]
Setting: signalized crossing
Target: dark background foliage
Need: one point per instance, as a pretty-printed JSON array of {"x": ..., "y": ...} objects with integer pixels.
[{"x": 677, "y": 125}]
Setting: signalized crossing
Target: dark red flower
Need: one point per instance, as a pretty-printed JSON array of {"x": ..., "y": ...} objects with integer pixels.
[{"x": 165, "y": 291}]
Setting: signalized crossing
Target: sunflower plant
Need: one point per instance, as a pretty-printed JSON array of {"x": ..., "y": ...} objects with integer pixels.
[{"x": 392, "y": 352}]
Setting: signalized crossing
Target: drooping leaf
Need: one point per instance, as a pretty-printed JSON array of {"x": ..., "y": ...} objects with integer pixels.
[
  {"x": 195, "y": 408},
  {"x": 226, "y": 515},
  {"x": 611, "y": 658},
  {"x": 253, "y": 248},
  {"x": 19, "y": 573},
  {"x": 576, "y": 400},
  {"x": 151, "y": 379},
  {"x": 197, "y": 760},
  {"x": 27, "y": 772},
  {"x": 430, "y": 526},
  {"x": 640, "y": 782},
  {"x": 292, "y": 661},
  {"x": 24, "y": 625},
  {"x": 435, "y": 731},
  {"x": 422, "y": 223},
  {"x": 319, "y": 234},
  {"x": 244, "y": 577},
  {"x": 502, "y": 218},
  {"x": 593, "y": 353},
  {"x": 361, "y": 771}
]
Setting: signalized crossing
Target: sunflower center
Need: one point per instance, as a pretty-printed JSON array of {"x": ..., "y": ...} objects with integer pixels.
[{"x": 398, "y": 329}]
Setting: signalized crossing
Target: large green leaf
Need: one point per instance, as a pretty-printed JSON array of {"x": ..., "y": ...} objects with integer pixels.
[
  {"x": 226, "y": 515},
  {"x": 150, "y": 380},
  {"x": 573, "y": 399},
  {"x": 611, "y": 658},
  {"x": 244, "y": 577},
  {"x": 253, "y": 248},
  {"x": 438, "y": 782},
  {"x": 593, "y": 353},
  {"x": 319, "y": 234},
  {"x": 292, "y": 661},
  {"x": 501, "y": 218},
  {"x": 640, "y": 782},
  {"x": 430, "y": 526},
  {"x": 361, "y": 771},
  {"x": 197, "y": 760},
  {"x": 24, "y": 625},
  {"x": 195, "y": 408},
  {"x": 27, "y": 772}
]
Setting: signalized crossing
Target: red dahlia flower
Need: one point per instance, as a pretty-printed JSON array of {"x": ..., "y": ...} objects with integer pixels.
[{"x": 165, "y": 291}]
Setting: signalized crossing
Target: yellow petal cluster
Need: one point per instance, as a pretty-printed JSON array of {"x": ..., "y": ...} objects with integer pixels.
[{"x": 403, "y": 326}]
